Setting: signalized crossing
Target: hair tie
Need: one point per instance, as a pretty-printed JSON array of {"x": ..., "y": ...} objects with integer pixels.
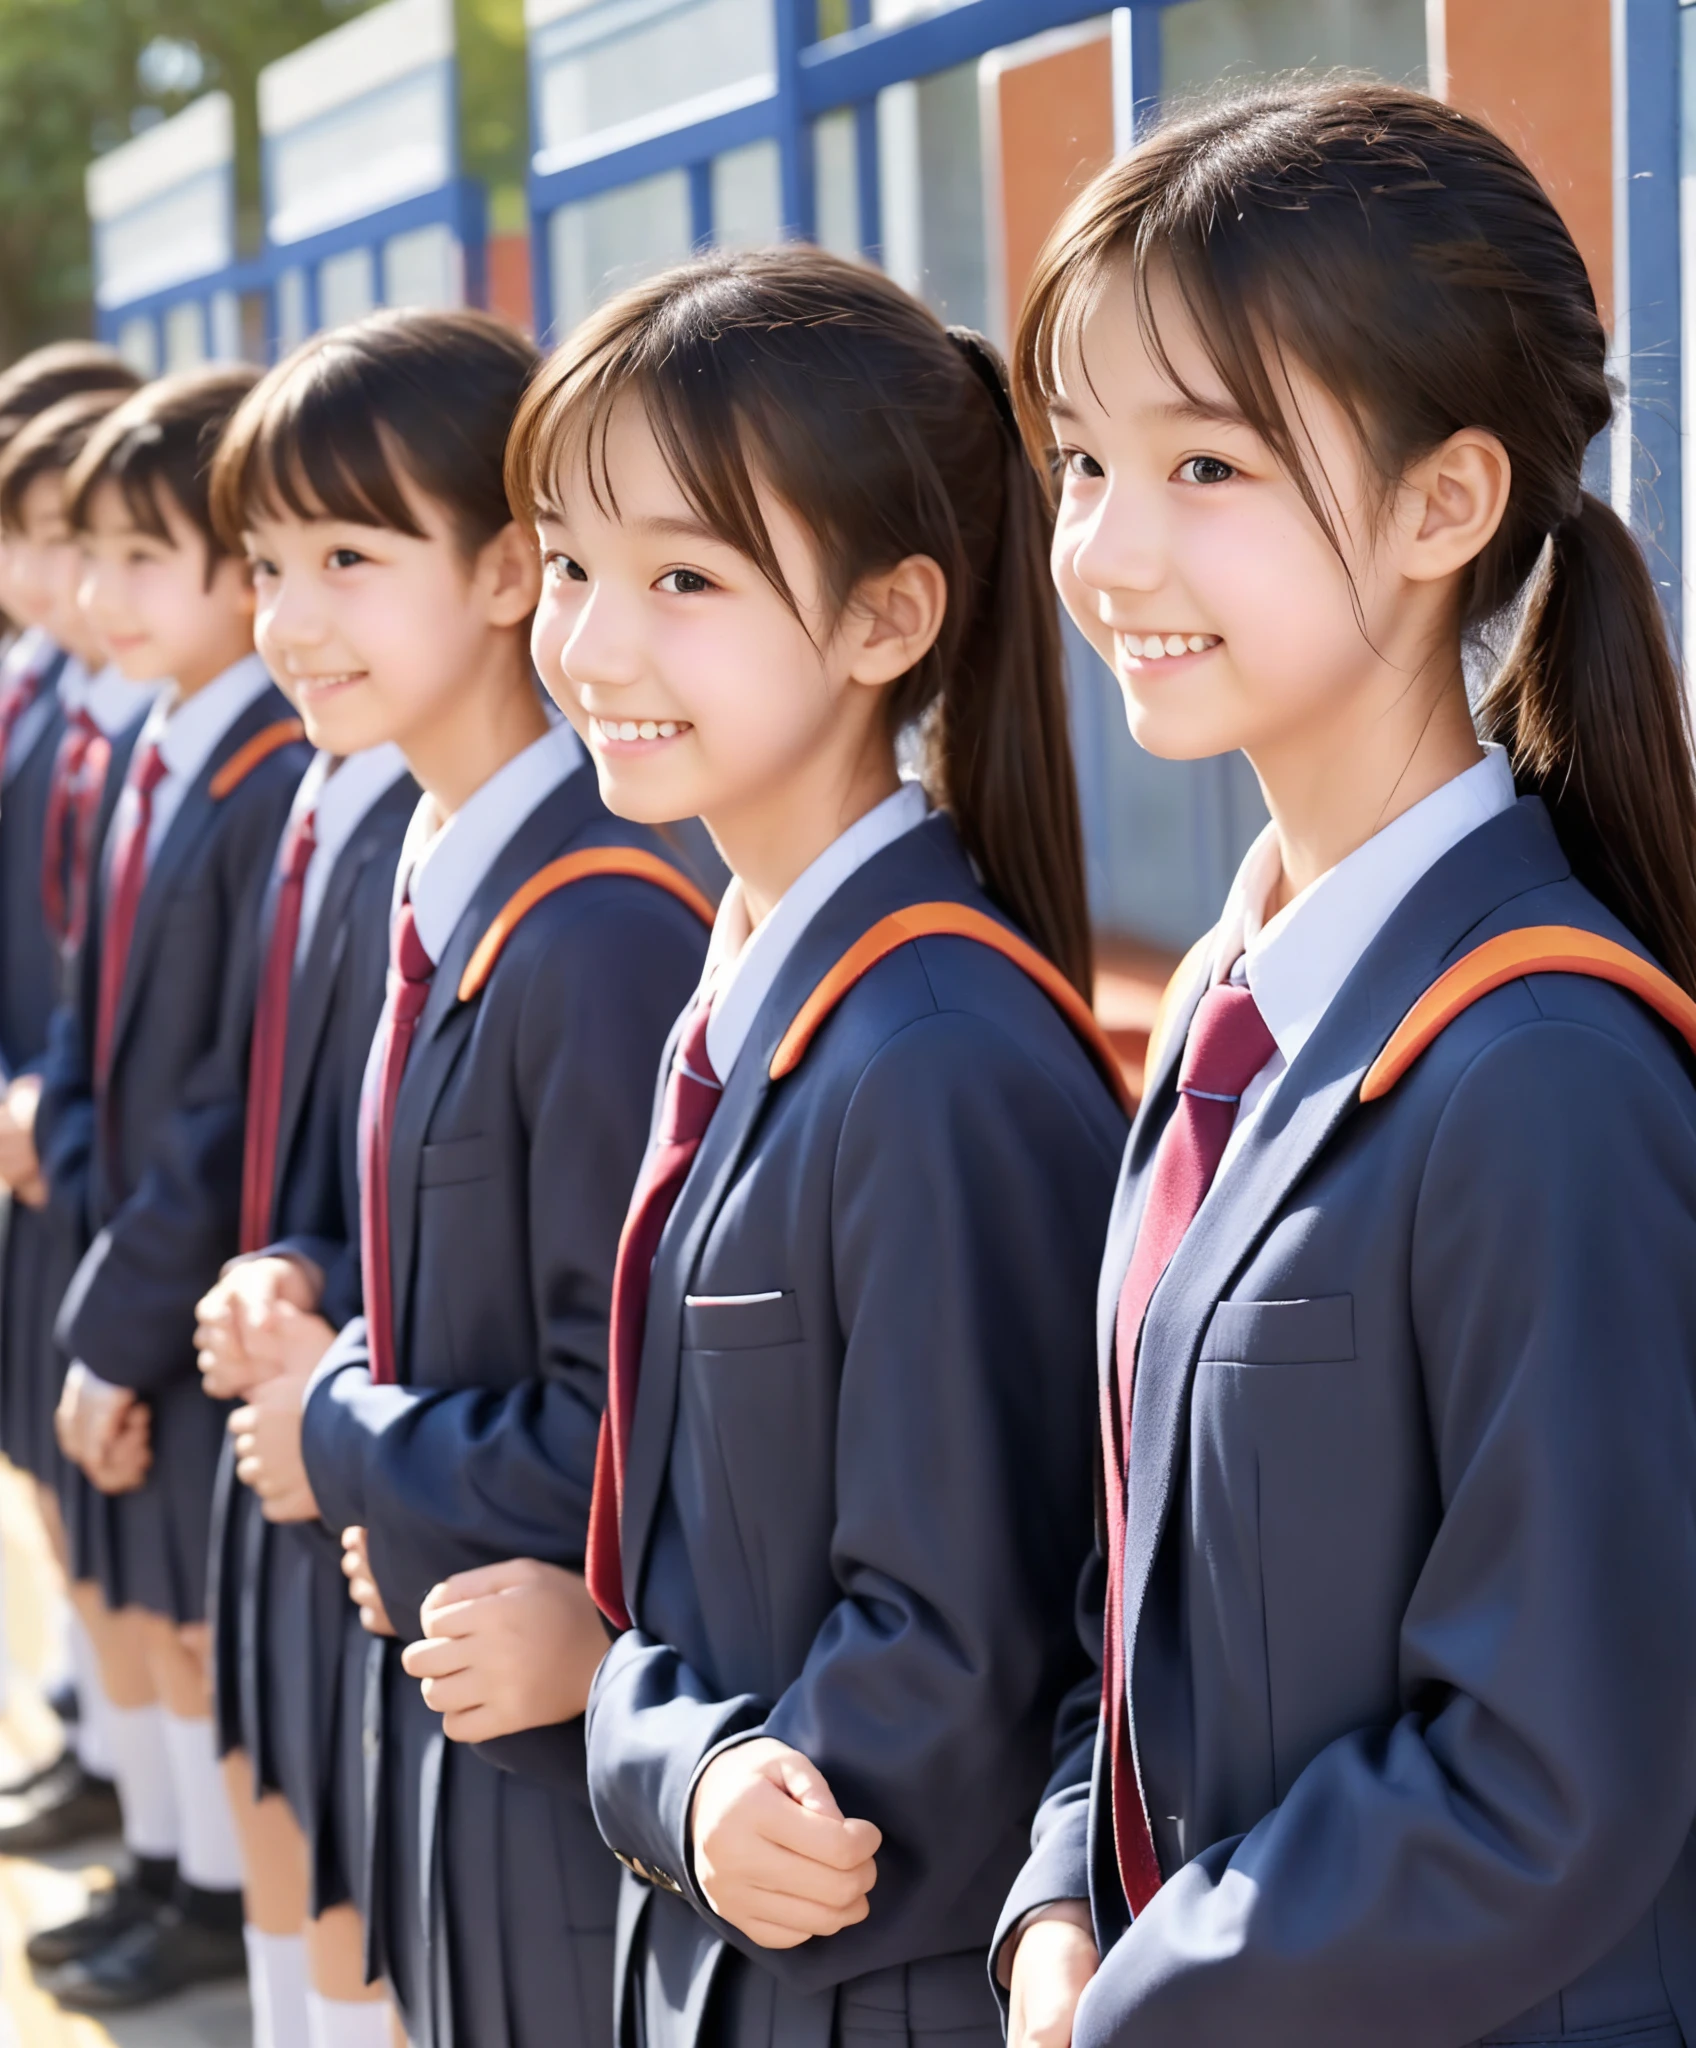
[{"x": 986, "y": 366}]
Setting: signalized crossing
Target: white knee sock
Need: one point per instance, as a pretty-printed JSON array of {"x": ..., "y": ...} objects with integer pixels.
[
  {"x": 276, "y": 1986},
  {"x": 142, "y": 1766},
  {"x": 346, "y": 2022},
  {"x": 209, "y": 1855},
  {"x": 94, "y": 1729}
]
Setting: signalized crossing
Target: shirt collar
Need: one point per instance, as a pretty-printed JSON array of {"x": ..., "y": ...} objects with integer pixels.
[
  {"x": 1296, "y": 962},
  {"x": 340, "y": 792},
  {"x": 187, "y": 734},
  {"x": 28, "y": 655},
  {"x": 443, "y": 866},
  {"x": 742, "y": 965},
  {"x": 109, "y": 698}
]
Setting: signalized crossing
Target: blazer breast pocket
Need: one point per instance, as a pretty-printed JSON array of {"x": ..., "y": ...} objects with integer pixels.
[
  {"x": 453, "y": 1161},
  {"x": 740, "y": 1322},
  {"x": 1319, "y": 1331}
]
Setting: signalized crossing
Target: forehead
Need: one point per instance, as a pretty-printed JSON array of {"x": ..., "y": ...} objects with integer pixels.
[{"x": 1133, "y": 359}]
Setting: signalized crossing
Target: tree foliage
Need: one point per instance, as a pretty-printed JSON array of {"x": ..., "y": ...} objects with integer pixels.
[{"x": 78, "y": 76}]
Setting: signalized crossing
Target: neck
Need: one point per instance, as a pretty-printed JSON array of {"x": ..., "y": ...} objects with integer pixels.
[
  {"x": 1334, "y": 784},
  {"x": 772, "y": 839},
  {"x": 212, "y": 662},
  {"x": 484, "y": 725}
]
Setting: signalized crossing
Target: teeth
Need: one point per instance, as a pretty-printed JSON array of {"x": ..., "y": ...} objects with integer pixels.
[
  {"x": 1153, "y": 648},
  {"x": 667, "y": 729},
  {"x": 1196, "y": 642},
  {"x": 648, "y": 729},
  {"x": 1174, "y": 643},
  {"x": 1156, "y": 646},
  {"x": 639, "y": 728}
]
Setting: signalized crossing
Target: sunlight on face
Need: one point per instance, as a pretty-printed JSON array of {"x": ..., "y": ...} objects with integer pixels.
[
  {"x": 698, "y": 691},
  {"x": 157, "y": 612},
  {"x": 367, "y": 630},
  {"x": 44, "y": 568},
  {"x": 1190, "y": 560}
]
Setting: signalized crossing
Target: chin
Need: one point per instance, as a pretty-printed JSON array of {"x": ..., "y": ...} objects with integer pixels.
[
  {"x": 1167, "y": 733},
  {"x": 643, "y": 800}
]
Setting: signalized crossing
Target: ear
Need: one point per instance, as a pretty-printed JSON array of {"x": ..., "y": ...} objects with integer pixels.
[
  {"x": 509, "y": 573},
  {"x": 891, "y": 622},
  {"x": 1450, "y": 504}
]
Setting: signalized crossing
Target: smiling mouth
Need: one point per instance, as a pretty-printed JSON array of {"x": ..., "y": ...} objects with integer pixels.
[
  {"x": 1149, "y": 647},
  {"x": 321, "y": 686},
  {"x": 627, "y": 731}
]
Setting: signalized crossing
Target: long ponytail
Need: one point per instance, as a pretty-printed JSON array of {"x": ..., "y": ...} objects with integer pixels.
[
  {"x": 887, "y": 435},
  {"x": 1591, "y": 708}
]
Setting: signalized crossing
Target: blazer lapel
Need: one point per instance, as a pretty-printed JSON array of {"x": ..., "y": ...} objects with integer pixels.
[
  {"x": 188, "y": 828},
  {"x": 1440, "y": 916},
  {"x": 314, "y": 985},
  {"x": 922, "y": 865}
]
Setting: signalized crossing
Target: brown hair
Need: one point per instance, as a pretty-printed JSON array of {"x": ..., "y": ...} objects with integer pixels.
[
  {"x": 886, "y": 435},
  {"x": 332, "y": 430},
  {"x": 60, "y": 370},
  {"x": 49, "y": 445},
  {"x": 157, "y": 446},
  {"x": 1404, "y": 255}
]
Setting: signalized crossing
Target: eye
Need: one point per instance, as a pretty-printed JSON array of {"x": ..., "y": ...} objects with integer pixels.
[
  {"x": 258, "y": 566},
  {"x": 346, "y": 558},
  {"x": 1205, "y": 469},
  {"x": 562, "y": 569},
  {"x": 1080, "y": 463},
  {"x": 684, "y": 582}
]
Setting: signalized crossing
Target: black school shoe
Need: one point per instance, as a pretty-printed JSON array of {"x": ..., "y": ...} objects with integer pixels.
[
  {"x": 194, "y": 1940},
  {"x": 63, "y": 1806},
  {"x": 111, "y": 1911},
  {"x": 65, "y": 1701}
]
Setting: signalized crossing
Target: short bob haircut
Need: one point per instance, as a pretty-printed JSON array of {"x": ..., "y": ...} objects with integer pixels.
[
  {"x": 341, "y": 427},
  {"x": 61, "y": 370},
  {"x": 156, "y": 449},
  {"x": 47, "y": 446}
]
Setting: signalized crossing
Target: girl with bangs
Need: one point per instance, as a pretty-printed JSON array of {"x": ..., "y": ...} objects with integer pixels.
[
  {"x": 538, "y": 950},
  {"x": 790, "y": 538},
  {"x": 1399, "y": 1307}
]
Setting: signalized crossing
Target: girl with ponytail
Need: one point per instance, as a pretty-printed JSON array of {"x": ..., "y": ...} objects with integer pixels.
[
  {"x": 789, "y": 537},
  {"x": 1391, "y": 1736}
]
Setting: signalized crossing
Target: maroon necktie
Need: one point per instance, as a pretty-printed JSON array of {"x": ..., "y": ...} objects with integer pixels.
[
  {"x": 271, "y": 1036},
  {"x": 692, "y": 1093},
  {"x": 73, "y": 805},
  {"x": 1228, "y": 1045},
  {"x": 410, "y": 972},
  {"x": 128, "y": 877}
]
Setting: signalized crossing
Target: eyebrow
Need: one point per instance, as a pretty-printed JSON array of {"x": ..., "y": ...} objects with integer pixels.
[
  {"x": 1184, "y": 411},
  {"x": 660, "y": 526}
]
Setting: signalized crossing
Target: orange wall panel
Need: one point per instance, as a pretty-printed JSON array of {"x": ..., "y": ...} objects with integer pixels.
[
  {"x": 1055, "y": 132},
  {"x": 508, "y": 261},
  {"x": 1539, "y": 72}
]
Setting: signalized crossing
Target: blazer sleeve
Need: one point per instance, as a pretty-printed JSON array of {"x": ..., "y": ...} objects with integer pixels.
[
  {"x": 1424, "y": 1879},
  {"x": 129, "y": 1310},
  {"x": 64, "y": 1119},
  {"x": 477, "y": 1474},
  {"x": 965, "y": 1258}
]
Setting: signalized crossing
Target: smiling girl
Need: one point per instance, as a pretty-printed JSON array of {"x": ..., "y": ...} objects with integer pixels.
[
  {"x": 1400, "y": 1297},
  {"x": 843, "y": 1484},
  {"x": 540, "y": 950}
]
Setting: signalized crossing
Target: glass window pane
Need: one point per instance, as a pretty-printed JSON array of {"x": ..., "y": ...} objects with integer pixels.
[
  {"x": 292, "y": 324},
  {"x": 185, "y": 336},
  {"x": 388, "y": 146},
  {"x": 621, "y": 61},
  {"x": 423, "y": 268},
  {"x": 930, "y": 170},
  {"x": 836, "y": 186},
  {"x": 138, "y": 344},
  {"x": 747, "y": 197},
  {"x": 347, "y": 287},
  {"x": 1202, "y": 41},
  {"x": 615, "y": 239},
  {"x": 177, "y": 235}
]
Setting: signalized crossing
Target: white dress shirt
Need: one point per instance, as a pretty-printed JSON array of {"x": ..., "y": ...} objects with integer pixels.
[
  {"x": 742, "y": 964},
  {"x": 341, "y": 794},
  {"x": 109, "y": 698},
  {"x": 442, "y": 866},
  {"x": 31, "y": 651},
  {"x": 186, "y": 735},
  {"x": 1295, "y": 963}
]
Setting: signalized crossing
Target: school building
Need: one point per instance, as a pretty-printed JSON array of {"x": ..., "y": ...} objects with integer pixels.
[{"x": 424, "y": 154}]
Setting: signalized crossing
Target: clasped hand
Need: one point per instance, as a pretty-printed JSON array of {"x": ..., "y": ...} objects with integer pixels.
[
  {"x": 104, "y": 1430},
  {"x": 506, "y": 1647},
  {"x": 19, "y": 1167},
  {"x": 773, "y": 1853},
  {"x": 258, "y": 1341}
]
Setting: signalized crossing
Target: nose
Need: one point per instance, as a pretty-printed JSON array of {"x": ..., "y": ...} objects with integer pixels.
[
  {"x": 601, "y": 646},
  {"x": 286, "y": 617},
  {"x": 1116, "y": 545}
]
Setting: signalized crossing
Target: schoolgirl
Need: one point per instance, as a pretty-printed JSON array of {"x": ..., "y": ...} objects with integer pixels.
[
  {"x": 844, "y": 1480},
  {"x": 1399, "y": 1302},
  {"x": 141, "y": 1110},
  {"x": 278, "y": 1603},
  {"x": 541, "y": 950},
  {"x": 49, "y": 405}
]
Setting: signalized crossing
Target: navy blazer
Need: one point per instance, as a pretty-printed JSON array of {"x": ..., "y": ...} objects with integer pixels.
[
  {"x": 858, "y": 1479},
  {"x": 519, "y": 1130},
  {"x": 164, "y": 1169},
  {"x": 39, "y": 1246},
  {"x": 277, "y": 1596},
  {"x": 1411, "y": 1560}
]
